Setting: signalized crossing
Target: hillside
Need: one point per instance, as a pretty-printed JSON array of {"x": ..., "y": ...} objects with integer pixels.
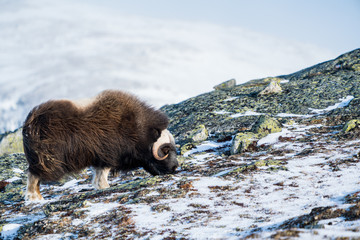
[{"x": 271, "y": 158}]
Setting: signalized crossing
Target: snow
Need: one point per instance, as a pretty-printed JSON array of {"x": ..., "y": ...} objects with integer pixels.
[
  {"x": 207, "y": 145},
  {"x": 284, "y": 81},
  {"x": 96, "y": 209},
  {"x": 247, "y": 113},
  {"x": 13, "y": 179},
  {"x": 274, "y": 137},
  {"x": 222, "y": 112},
  {"x": 10, "y": 230},
  {"x": 14, "y": 223},
  {"x": 293, "y": 115},
  {"x": 343, "y": 103},
  {"x": 71, "y": 184},
  {"x": 230, "y": 99},
  {"x": 62, "y": 49},
  {"x": 17, "y": 170}
]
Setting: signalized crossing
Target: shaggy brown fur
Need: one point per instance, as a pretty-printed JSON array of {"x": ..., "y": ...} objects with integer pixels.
[{"x": 116, "y": 131}]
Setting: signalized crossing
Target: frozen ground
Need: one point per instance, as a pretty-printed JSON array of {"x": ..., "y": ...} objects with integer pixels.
[{"x": 67, "y": 49}]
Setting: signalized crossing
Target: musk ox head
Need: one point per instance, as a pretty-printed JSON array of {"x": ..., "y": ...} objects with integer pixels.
[{"x": 163, "y": 160}]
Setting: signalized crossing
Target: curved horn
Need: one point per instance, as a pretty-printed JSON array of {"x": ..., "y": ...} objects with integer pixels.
[{"x": 164, "y": 138}]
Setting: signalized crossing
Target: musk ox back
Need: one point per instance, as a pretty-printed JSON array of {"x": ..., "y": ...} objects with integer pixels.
[{"x": 116, "y": 131}]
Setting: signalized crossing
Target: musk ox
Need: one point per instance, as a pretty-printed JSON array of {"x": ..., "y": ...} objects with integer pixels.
[{"x": 115, "y": 131}]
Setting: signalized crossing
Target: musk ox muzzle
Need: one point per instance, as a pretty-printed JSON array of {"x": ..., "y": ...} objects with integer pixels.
[{"x": 115, "y": 131}]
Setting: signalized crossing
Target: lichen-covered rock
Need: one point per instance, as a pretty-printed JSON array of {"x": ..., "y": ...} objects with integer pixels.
[
  {"x": 12, "y": 143},
  {"x": 266, "y": 125},
  {"x": 273, "y": 87},
  {"x": 350, "y": 125},
  {"x": 244, "y": 141},
  {"x": 226, "y": 85},
  {"x": 187, "y": 147},
  {"x": 199, "y": 134}
]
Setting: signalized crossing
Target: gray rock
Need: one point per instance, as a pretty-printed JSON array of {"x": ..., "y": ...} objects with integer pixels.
[
  {"x": 12, "y": 143},
  {"x": 199, "y": 134},
  {"x": 266, "y": 125},
  {"x": 226, "y": 85},
  {"x": 273, "y": 87},
  {"x": 243, "y": 141}
]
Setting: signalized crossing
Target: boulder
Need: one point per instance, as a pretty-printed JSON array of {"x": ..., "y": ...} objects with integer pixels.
[
  {"x": 350, "y": 125},
  {"x": 266, "y": 125},
  {"x": 12, "y": 143},
  {"x": 199, "y": 134},
  {"x": 273, "y": 87},
  {"x": 226, "y": 85},
  {"x": 243, "y": 141}
]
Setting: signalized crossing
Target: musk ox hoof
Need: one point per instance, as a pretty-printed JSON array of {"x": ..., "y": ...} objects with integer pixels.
[{"x": 33, "y": 197}]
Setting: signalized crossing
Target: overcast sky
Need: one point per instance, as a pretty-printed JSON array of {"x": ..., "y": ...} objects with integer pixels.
[{"x": 332, "y": 24}]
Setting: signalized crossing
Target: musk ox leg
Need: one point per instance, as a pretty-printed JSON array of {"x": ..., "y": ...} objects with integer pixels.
[
  {"x": 33, "y": 188},
  {"x": 99, "y": 180}
]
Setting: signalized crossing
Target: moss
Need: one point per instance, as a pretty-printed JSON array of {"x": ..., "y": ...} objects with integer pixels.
[
  {"x": 350, "y": 125},
  {"x": 12, "y": 143}
]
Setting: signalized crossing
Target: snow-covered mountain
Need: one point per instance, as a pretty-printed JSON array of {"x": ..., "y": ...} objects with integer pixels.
[{"x": 65, "y": 49}]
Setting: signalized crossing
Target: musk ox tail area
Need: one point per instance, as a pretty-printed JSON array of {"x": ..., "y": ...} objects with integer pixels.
[{"x": 39, "y": 140}]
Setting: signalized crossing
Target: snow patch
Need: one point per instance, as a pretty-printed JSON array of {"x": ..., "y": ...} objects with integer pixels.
[
  {"x": 70, "y": 184},
  {"x": 274, "y": 137},
  {"x": 343, "y": 103},
  {"x": 17, "y": 170},
  {"x": 13, "y": 179},
  {"x": 10, "y": 230},
  {"x": 222, "y": 112},
  {"x": 230, "y": 99},
  {"x": 207, "y": 145},
  {"x": 247, "y": 113},
  {"x": 96, "y": 209},
  {"x": 293, "y": 115}
]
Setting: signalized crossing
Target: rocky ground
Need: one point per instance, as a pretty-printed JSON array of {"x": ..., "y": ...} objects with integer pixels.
[{"x": 272, "y": 158}]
